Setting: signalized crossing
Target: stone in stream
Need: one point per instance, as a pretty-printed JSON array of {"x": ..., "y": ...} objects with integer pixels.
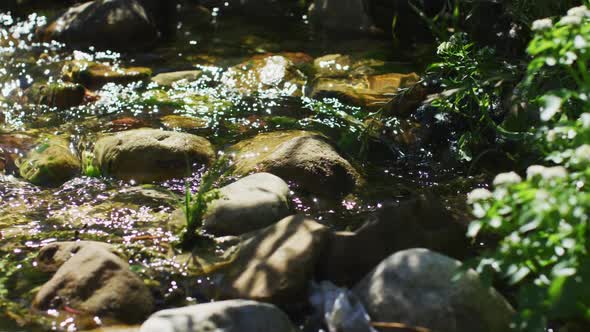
[
  {"x": 253, "y": 202},
  {"x": 332, "y": 65},
  {"x": 11, "y": 146},
  {"x": 60, "y": 95},
  {"x": 307, "y": 158},
  {"x": 91, "y": 279},
  {"x": 372, "y": 91},
  {"x": 223, "y": 316},
  {"x": 272, "y": 74},
  {"x": 94, "y": 75},
  {"x": 275, "y": 264},
  {"x": 148, "y": 155},
  {"x": 167, "y": 79},
  {"x": 419, "y": 287},
  {"x": 422, "y": 222},
  {"x": 118, "y": 24},
  {"x": 341, "y": 15},
  {"x": 51, "y": 162}
]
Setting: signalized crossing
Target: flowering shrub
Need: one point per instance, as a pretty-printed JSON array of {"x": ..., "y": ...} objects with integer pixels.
[{"x": 544, "y": 219}]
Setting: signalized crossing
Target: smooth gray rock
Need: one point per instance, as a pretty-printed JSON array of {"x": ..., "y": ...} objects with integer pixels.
[
  {"x": 147, "y": 155},
  {"x": 92, "y": 279},
  {"x": 251, "y": 203},
  {"x": 224, "y": 316},
  {"x": 419, "y": 287}
]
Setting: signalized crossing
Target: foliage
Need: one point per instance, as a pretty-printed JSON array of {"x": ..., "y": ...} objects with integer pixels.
[
  {"x": 544, "y": 220},
  {"x": 473, "y": 81},
  {"x": 195, "y": 205}
]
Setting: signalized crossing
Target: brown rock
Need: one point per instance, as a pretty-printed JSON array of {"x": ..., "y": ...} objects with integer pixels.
[
  {"x": 94, "y": 281},
  {"x": 275, "y": 264}
]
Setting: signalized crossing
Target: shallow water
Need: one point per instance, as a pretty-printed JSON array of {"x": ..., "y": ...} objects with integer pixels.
[{"x": 135, "y": 218}]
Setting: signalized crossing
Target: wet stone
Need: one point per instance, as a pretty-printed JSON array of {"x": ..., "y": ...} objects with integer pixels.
[
  {"x": 51, "y": 162},
  {"x": 94, "y": 75},
  {"x": 148, "y": 155},
  {"x": 167, "y": 79},
  {"x": 118, "y": 24},
  {"x": 223, "y": 316},
  {"x": 306, "y": 158},
  {"x": 92, "y": 280},
  {"x": 248, "y": 204},
  {"x": 60, "y": 95}
]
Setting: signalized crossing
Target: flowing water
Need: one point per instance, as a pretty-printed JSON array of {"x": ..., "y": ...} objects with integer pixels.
[{"x": 134, "y": 218}]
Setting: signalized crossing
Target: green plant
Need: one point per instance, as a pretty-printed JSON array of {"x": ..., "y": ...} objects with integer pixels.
[
  {"x": 195, "y": 205},
  {"x": 473, "y": 81},
  {"x": 543, "y": 221}
]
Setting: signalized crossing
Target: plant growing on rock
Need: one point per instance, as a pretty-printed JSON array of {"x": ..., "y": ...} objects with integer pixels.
[{"x": 195, "y": 205}]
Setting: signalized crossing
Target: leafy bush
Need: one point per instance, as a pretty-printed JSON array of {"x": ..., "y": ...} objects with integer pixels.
[
  {"x": 473, "y": 81},
  {"x": 544, "y": 219}
]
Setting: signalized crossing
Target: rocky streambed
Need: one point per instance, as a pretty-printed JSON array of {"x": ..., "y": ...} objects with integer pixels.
[{"x": 297, "y": 162}]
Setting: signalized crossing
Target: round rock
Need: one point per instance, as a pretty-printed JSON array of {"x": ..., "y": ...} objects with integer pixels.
[{"x": 148, "y": 155}]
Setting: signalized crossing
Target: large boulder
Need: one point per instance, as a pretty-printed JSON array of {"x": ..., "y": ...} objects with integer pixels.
[
  {"x": 251, "y": 203},
  {"x": 51, "y": 162},
  {"x": 422, "y": 222},
  {"x": 94, "y": 75},
  {"x": 418, "y": 287},
  {"x": 275, "y": 264},
  {"x": 118, "y": 24},
  {"x": 92, "y": 279},
  {"x": 148, "y": 155},
  {"x": 223, "y": 316},
  {"x": 307, "y": 158},
  {"x": 270, "y": 75}
]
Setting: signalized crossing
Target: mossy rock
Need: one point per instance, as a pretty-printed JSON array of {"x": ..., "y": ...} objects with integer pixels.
[
  {"x": 307, "y": 158},
  {"x": 148, "y": 155},
  {"x": 94, "y": 75},
  {"x": 61, "y": 95},
  {"x": 51, "y": 162}
]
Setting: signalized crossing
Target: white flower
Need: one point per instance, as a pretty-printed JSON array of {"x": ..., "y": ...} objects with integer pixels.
[
  {"x": 507, "y": 179},
  {"x": 542, "y": 24},
  {"x": 579, "y": 11},
  {"x": 570, "y": 20},
  {"x": 550, "y": 61},
  {"x": 478, "y": 194},
  {"x": 552, "y": 106},
  {"x": 580, "y": 42},
  {"x": 546, "y": 173},
  {"x": 569, "y": 58},
  {"x": 582, "y": 153},
  {"x": 585, "y": 119},
  {"x": 551, "y": 135}
]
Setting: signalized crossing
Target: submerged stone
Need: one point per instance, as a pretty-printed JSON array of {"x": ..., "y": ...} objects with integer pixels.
[
  {"x": 94, "y": 75},
  {"x": 372, "y": 91},
  {"x": 332, "y": 65},
  {"x": 118, "y": 24},
  {"x": 91, "y": 279},
  {"x": 183, "y": 122},
  {"x": 52, "y": 162},
  {"x": 307, "y": 158},
  {"x": 148, "y": 155},
  {"x": 167, "y": 79},
  {"x": 273, "y": 74},
  {"x": 223, "y": 316},
  {"x": 60, "y": 95},
  {"x": 251, "y": 203}
]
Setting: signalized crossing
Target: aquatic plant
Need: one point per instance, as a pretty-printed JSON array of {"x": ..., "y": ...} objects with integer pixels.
[{"x": 195, "y": 205}]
